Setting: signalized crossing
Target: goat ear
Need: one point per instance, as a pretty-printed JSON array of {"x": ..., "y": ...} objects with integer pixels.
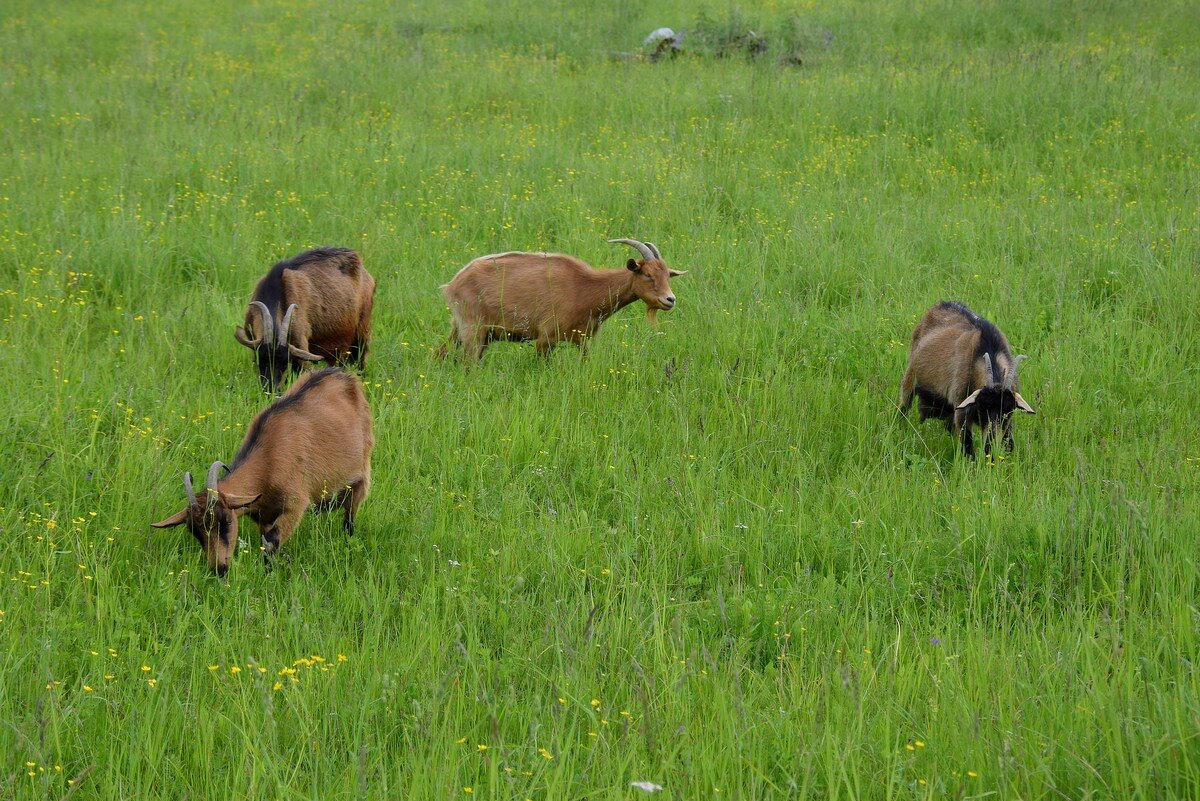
[
  {"x": 303, "y": 355},
  {"x": 970, "y": 399},
  {"x": 173, "y": 520},
  {"x": 676, "y": 273},
  {"x": 239, "y": 334},
  {"x": 633, "y": 266},
  {"x": 1021, "y": 404},
  {"x": 237, "y": 501}
]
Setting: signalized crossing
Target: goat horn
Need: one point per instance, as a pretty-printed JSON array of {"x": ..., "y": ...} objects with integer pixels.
[
  {"x": 286, "y": 324},
  {"x": 633, "y": 243},
  {"x": 1010, "y": 375},
  {"x": 989, "y": 377},
  {"x": 211, "y": 482},
  {"x": 654, "y": 249},
  {"x": 268, "y": 325},
  {"x": 187, "y": 485}
]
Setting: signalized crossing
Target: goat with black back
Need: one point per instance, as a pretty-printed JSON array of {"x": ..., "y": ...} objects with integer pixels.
[
  {"x": 962, "y": 371},
  {"x": 312, "y": 307}
]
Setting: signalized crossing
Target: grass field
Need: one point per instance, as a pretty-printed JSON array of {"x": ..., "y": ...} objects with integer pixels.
[{"x": 710, "y": 556}]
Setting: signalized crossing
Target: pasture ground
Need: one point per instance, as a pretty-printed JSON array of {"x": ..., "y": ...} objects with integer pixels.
[{"x": 710, "y": 556}]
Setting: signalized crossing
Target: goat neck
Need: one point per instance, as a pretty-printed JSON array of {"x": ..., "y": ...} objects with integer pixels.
[
  {"x": 607, "y": 292},
  {"x": 240, "y": 483}
]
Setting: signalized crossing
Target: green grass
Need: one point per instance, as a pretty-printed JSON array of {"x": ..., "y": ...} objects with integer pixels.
[{"x": 711, "y": 556}]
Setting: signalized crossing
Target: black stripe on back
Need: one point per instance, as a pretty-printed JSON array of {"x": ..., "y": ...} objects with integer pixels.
[
  {"x": 270, "y": 288},
  {"x": 290, "y": 400},
  {"x": 315, "y": 255},
  {"x": 991, "y": 341}
]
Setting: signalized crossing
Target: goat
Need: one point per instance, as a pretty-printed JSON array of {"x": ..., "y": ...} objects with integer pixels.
[
  {"x": 310, "y": 447},
  {"x": 312, "y": 307},
  {"x": 549, "y": 297},
  {"x": 952, "y": 366}
]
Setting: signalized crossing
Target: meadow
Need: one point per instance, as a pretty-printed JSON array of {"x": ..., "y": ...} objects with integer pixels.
[{"x": 709, "y": 555}]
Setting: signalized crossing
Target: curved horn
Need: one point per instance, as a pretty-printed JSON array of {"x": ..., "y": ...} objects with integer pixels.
[
  {"x": 211, "y": 482},
  {"x": 268, "y": 325},
  {"x": 303, "y": 355},
  {"x": 1010, "y": 375},
  {"x": 187, "y": 485},
  {"x": 633, "y": 243},
  {"x": 989, "y": 376},
  {"x": 286, "y": 324},
  {"x": 654, "y": 249}
]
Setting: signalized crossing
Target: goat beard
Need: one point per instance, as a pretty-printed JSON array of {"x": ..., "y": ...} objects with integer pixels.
[{"x": 652, "y": 316}]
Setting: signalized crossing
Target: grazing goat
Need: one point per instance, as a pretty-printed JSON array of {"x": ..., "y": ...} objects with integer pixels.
[
  {"x": 312, "y": 446},
  {"x": 549, "y": 297},
  {"x": 952, "y": 368},
  {"x": 311, "y": 307}
]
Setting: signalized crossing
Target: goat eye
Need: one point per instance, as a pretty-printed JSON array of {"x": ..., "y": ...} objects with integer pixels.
[{"x": 648, "y": 278}]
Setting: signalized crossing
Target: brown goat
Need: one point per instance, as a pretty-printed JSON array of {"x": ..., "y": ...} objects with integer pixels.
[
  {"x": 312, "y": 446},
  {"x": 312, "y": 307},
  {"x": 952, "y": 368},
  {"x": 549, "y": 297}
]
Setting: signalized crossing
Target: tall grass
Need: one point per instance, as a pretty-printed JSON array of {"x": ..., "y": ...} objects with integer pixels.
[{"x": 710, "y": 556}]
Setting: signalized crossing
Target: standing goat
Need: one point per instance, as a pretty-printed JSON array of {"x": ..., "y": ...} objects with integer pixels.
[
  {"x": 952, "y": 369},
  {"x": 313, "y": 306},
  {"x": 312, "y": 446},
  {"x": 549, "y": 297}
]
